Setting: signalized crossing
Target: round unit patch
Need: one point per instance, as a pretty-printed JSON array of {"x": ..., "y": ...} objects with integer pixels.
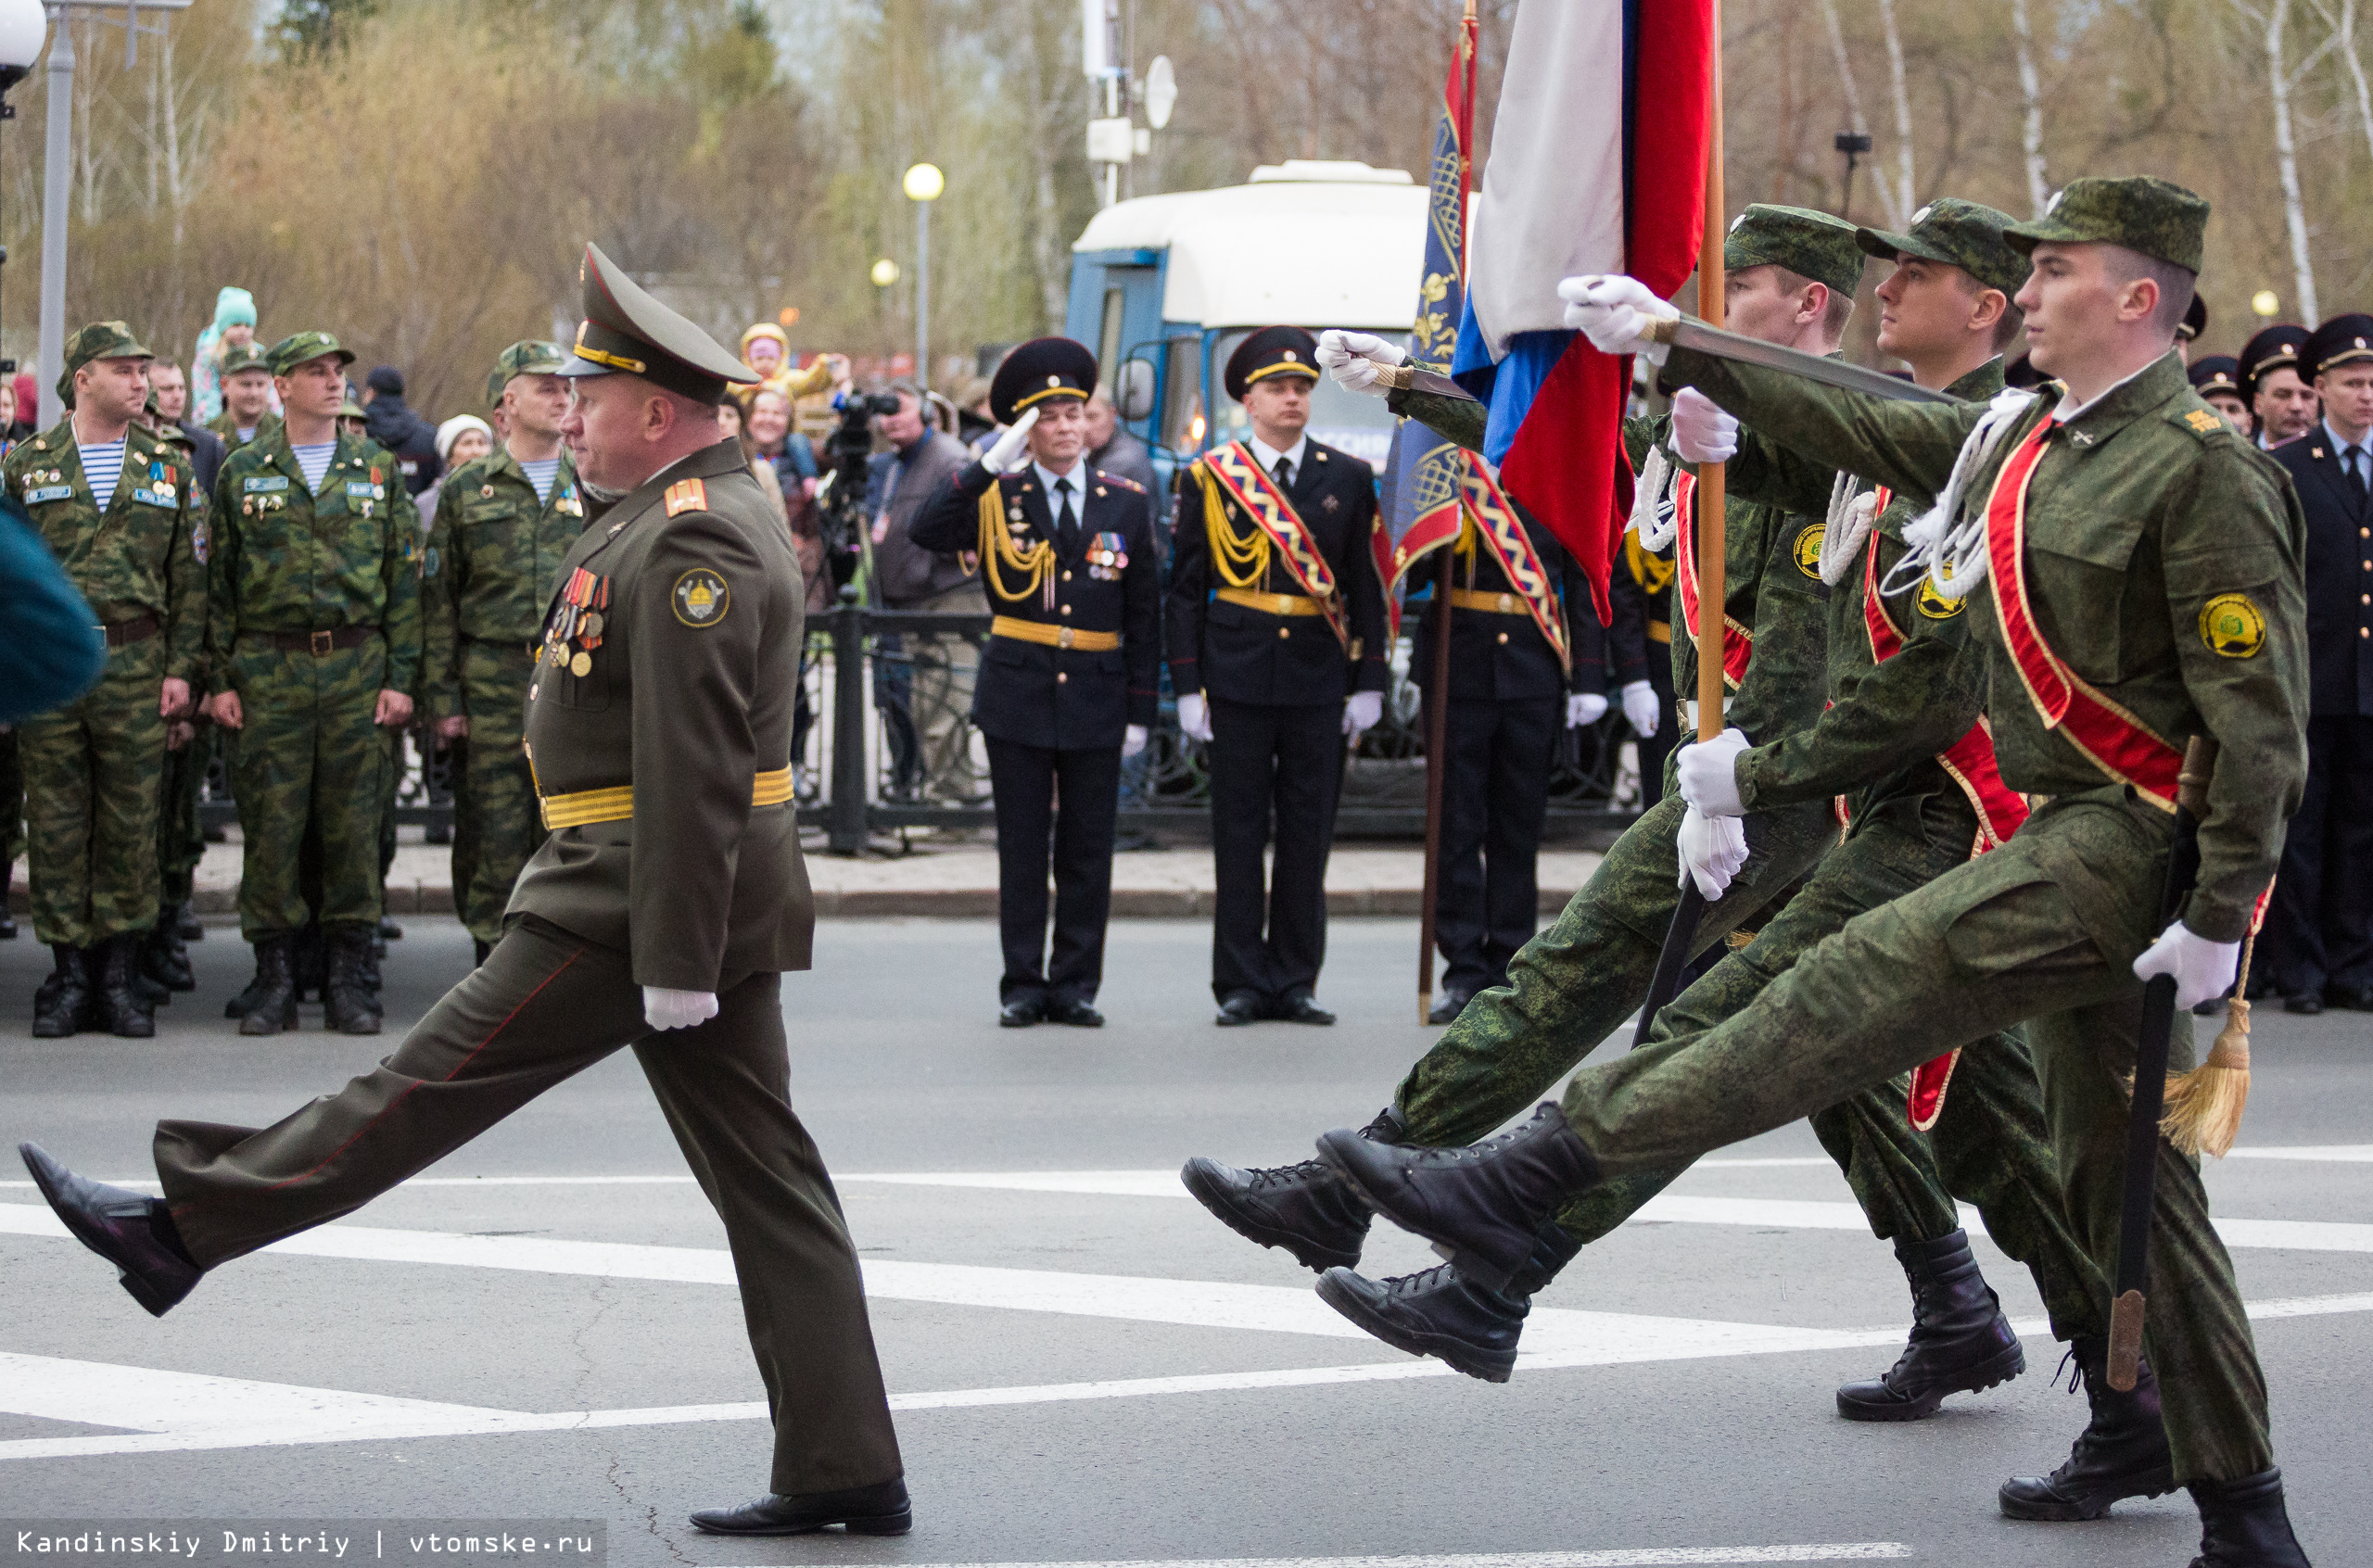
[
  {"x": 2232, "y": 625},
  {"x": 1807, "y": 549},
  {"x": 1935, "y": 605},
  {"x": 700, "y": 597}
]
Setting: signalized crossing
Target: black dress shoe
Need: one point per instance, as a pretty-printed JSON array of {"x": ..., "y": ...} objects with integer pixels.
[
  {"x": 2244, "y": 1524},
  {"x": 881, "y": 1510},
  {"x": 1961, "y": 1342},
  {"x": 130, "y": 1229},
  {"x": 1303, "y": 1010},
  {"x": 1020, "y": 1012},
  {"x": 2356, "y": 999},
  {"x": 1238, "y": 1010},
  {"x": 1074, "y": 1011},
  {"x": 2122, "y": 1452},
  {"x": 1305, "y": 1208},
  {"x": 1452, "y": 1004},
  {"x": 2306, "y": 1005}
]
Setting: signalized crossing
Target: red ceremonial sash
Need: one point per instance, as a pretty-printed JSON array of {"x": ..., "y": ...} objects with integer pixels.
[
  {"x": 1241, "y": 481},
  {"x": 1496, "y": 524},
  {"x": 1738, "y": 643},
  {"x": 2112, "y": 739}
]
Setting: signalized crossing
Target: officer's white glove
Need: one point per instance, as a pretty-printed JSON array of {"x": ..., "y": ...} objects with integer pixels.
[
  {"x": 1641, "y": 708},
  {"x": 1195, "y": 717},
  {"x": 1709, "y": 774},
  {"x": 662, "y": 1008},
  {"x": 2203, "y": 968},
  {"x": 1012, "y": 449},
  {"x": 1353, "y": 358},
  {"x": 1361, "y": 710},
  {"x": 1701, "y": 431},
  {"x": 1713, "y": 850},
  {"x": 1583, "y": 707},
  {"x": 1132, "y": 740},
  {"x": 1614, "y": 311}
]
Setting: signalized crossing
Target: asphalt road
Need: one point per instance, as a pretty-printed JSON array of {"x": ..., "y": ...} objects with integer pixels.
[{"x": 1088, "y": 1367}]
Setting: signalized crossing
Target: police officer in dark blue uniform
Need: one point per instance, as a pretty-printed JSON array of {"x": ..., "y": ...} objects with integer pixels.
[
  {"x": 1276, "y": 649},
  {"x": 2319, "y": 935},
  {"x": 1067, "y": 683},
  {"x": 2282, "y": 400}
]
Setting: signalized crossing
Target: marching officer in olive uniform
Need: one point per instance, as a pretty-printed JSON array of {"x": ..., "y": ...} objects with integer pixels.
[
  {"x": 503, "y": 523},
  {"x": 2318, "y": 944},
  {"x": 111, "y": 501},
  {"x": 1276, "y": 650},
  {"x": 660, "y": 913},
  {"x": 2281, "y": 401},
  {"x": 2217, "y": 379},
  {"x": 1067, "y": 685}
]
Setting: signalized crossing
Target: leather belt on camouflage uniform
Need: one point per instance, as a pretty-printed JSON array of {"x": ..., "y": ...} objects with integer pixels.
[
  {"x": 123, "y": 634},
  {"x": 1272, "y": 603},
  {"x": 616, "y": 804},
  {"x": 316, "y": 642},
  {"x": 1054, "y": 637},
  {"x": 1489, "y": 603}
]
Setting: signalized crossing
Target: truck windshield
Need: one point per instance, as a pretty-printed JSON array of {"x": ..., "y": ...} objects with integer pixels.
[{"x": 1349, "y": 422}]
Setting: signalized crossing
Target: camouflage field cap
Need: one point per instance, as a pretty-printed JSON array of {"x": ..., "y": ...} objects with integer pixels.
[
  {"x": 100, "y": 340},
  {"x": 2161, "y": 220},
  {"x": 530, "y": 356},
  {"x": 1811, "y": 245},
  {"x": 244, "y": 356},
  {"x": 299, "y": 348},
  {"x": 1959, "y": 233},
  {"x": 625, "y": 330},
  {"x": 350, "y": 408}
]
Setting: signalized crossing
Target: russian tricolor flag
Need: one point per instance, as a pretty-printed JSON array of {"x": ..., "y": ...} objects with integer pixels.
[{"x": 1597, "y": 165}]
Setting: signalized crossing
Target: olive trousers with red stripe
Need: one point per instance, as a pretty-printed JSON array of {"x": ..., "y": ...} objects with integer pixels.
[{"x": 545, "y": 1006}]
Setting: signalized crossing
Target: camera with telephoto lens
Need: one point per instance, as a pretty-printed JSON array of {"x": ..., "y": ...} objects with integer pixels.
[{"x": 846, "y": 452}]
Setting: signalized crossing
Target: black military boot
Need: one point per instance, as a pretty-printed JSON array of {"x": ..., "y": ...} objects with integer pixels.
[
  {"x": 123, "y": 1010},
  {"x": 243, "y": 1003},
  {"x": 63, "y": 1003},
  {"x": 1305, "y": 1208},
  {"x": 272, "y": 1001},
  {"x": 2243, "y": 1523},
  {"x": 1440, "y": 1313},
  {"x": 1961, "y": 1342},
  {"x": 2121, "y": 1453},
  {"x": 1485, "y": 1203},
  {"x": 187, "y": 925},
  {"x": 309, "y": 961},
  {"x": 164, "y": 958},
  {"x": 349, "y": 1004}
]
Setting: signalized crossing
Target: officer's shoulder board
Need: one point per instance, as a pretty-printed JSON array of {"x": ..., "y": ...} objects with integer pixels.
[
  {"x": 2201, "y": 423},
  {"x": 685, "y": 495},
  {"x": 1127, "y": 483}
]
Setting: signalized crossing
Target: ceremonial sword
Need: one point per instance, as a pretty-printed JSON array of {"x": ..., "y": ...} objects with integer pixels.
[{"x": 1683, "y": 332}]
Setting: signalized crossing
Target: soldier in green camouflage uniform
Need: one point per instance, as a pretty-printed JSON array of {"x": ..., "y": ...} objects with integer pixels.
[
  {"x": 494, "y": 558},
  {"x": 315, "y": 642},
  {"x": 180, "y": 844},
  {"x": 245, "y": 402},
  {"x": 92, "y": 769}
]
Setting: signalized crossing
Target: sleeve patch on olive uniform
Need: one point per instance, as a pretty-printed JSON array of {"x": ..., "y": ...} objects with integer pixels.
[
  {"x": 1807, "y": 549},
  {"x": 701, "y": 596},
  {"x": 687, "y": 495},
  {"x": 1935, "y": 605},
  {"x": 2232, "y": 625}
]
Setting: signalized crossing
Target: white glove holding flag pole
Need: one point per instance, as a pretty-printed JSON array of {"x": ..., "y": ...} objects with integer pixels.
[
  {"x": 1012, "y": 449},
  {"x": 1614, "y": 311},
  {"x": 1701, "y": 431},
  {"x": 1195, "y": 717},
  {"x": 662, "y": 1008},
  {"x": 1709, "y": 776},
  {"x": 1713, "y": 850},
  {"x": 1352, "y": 358},
  {"x": 1584, "y": 707},
  {"x": 1641, "y": 708},
  {"x": 2203, "y": 969},
  {"x": 1132, "y": 741},
  {"x": 1361, "y": 710}
]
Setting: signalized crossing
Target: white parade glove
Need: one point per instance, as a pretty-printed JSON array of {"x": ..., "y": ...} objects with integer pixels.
[
  {"x": 1614, "y": 311},
  {"x": 1352, "y": 359},
  {"x": 2203, "y": 969},
  {"x": 1361, "y": 710},
  {"x": 1701, "y": 431},
  {"x": 1641, "y": 708},
  {"x": 1132, "y": 741},
  {"x": 1012, "y": 449},
  {"x": 1583, "y": 707},
  {"x": 662, "y": 1008},
  {"x": 1709, "y": 774},
  {"x": 1195, "y": 717},
  {"x": 1713, "y": 850}
]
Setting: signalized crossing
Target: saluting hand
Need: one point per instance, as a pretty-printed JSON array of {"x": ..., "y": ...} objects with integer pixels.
[{"x": 1012, "y": 449}]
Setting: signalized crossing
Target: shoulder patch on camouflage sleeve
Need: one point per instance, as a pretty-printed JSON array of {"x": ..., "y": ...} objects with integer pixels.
[
  {"x": 1806, "y": 549},
  {"x": 2232, "y": 625}
]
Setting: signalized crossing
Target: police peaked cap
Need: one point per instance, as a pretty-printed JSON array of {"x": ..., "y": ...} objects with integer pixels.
[
  {"x": 1275, "y": 350},
  {"x": 2195, "y": 319},
  {"x": 2216, "y": 372},
  {"x": 626, "y": 331},
  {"x": 2276, "y": 347},
  {"x": 1043, "y": 370},
  {"x": 2342, "y": 341}
]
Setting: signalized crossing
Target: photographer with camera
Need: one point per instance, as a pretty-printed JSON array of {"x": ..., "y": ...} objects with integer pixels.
[{"x": 939, "y": 667}]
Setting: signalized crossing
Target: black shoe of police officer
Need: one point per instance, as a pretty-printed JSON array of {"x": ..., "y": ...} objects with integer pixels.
[
  {"x": 349, "y": 1004},
  {"x": 1452, "y": 1004},
  {"x": 1961, "y": 1342},
  {"x": 1485, "y": 1203},
  {"x": 63, "y": 1003},
  {"x": 1074, "y": 1011},
  {"x": 1300, "y": 1008},
  {"x": 879, "y": 1510},
  {"x": 1022, "y": 1009},
  {"x": 1305, "y": 1208},
  {"x": 185, "y": 923},
  {"x": 130, "y": 1229},
  {"x": 271, "y": 1000},
  {"x": 1440, "y": 1314},
  {"x": 2121, "y": 1453},
  {"x": 123, "y": 1010},
  {"x": 2244, "y": 1524},
  {"x": 1237, "y": 1010}
]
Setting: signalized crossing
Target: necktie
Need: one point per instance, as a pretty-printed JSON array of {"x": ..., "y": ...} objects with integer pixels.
[
  {"x": 1285, "y": 473},
  {"x": 1066, "y": 520},
  {"x": 2353, "y": 458}
]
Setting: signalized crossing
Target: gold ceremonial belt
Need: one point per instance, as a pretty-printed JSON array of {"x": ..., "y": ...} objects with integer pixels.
[
  {"x": 1489, "y": 603},
  {"x": 1054, "y": 637},
  {"x": 1272, "y": 603},
  {"x": 618, "y": 804},
  {"x": 1660, "y": 631}
]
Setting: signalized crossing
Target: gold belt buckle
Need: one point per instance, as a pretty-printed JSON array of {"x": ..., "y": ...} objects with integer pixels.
[
  {"x": 1062, "y": 637},
  {"x": 1507, "y": 604},
  {"x": 321, "y": 644}
]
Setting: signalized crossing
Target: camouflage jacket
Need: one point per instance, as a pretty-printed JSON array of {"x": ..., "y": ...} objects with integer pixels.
[
  {"x": 2165, "y": 561},
  {"x": 225, "y": 425},
  {"x": 287, "y": 560},
  {"x": 145, "y": 556},
  {"x": 494, "y": 555}
]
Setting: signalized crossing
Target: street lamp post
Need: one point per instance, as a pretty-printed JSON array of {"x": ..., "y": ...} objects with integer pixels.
[{"x": 923, "y": 184}]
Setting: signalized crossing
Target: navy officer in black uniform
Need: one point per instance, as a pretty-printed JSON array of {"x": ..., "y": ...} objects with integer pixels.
[
  {"x": 2319, "y": 943},
  {"x": 1276, "y": 652},
  {"x": 1067, "y": 683}
]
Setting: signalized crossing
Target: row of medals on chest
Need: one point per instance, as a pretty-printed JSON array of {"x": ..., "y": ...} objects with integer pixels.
[{"x": 579, "y": 617}]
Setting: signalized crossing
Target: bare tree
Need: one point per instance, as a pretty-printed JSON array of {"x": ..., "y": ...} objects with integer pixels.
[
  {"x": 2271, "y": 19},
  {"x": 1896, "y": 214},
  {"x": 2031, "y": 101}
]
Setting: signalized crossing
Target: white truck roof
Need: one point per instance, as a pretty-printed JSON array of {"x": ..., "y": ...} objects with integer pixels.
[{"x": 1360, "y": 234}]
